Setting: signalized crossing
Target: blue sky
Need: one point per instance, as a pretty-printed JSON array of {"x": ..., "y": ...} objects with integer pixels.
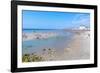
[{"x": 54, "y": 20}]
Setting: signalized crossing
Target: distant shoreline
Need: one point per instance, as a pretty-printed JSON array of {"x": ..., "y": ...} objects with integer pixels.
[
  {"x": 39, "y": 35},
  {"x": 43, "y": 35}
]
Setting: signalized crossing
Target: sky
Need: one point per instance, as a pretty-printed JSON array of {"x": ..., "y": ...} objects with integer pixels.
[{"x": 54, "y": 20}]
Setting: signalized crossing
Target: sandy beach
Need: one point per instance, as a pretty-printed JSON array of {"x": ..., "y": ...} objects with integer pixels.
[
  {"x": 55, "y": 36},
  {"x": 78, "y": 48}
]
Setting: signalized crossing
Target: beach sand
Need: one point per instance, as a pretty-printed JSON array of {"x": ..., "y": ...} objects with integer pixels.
[{"x": 78, "y": 48}]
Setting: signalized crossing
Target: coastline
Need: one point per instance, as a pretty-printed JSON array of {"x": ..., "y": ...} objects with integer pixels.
[{"x": 78, "y": 48}]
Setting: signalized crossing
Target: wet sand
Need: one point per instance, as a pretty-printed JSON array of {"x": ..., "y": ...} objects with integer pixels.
[{"x": 78, "y": 48}]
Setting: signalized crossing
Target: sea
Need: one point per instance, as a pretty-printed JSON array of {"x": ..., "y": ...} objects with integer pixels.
[{"x": 58, "y": 42}]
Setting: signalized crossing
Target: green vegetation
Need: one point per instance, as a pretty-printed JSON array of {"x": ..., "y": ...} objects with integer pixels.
[
  {"x": 31, "y": 58},
  {"x": 46, "y": 54}
]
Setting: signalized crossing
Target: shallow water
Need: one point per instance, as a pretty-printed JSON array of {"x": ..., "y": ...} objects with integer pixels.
[{"x": 58, "y": 42}]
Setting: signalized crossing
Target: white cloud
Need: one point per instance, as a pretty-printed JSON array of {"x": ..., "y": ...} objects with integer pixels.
[{"x": 81, "y": 19}]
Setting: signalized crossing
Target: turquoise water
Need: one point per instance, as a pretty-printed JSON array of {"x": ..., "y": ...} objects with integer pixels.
[{"x": 58, "y": 42}]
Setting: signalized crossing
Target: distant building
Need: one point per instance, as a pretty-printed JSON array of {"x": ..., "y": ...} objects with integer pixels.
[{"x": 82, "y": 27}]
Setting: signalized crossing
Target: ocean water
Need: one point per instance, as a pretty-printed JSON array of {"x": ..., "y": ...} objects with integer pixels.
[{"x": 58, "y": 42}]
